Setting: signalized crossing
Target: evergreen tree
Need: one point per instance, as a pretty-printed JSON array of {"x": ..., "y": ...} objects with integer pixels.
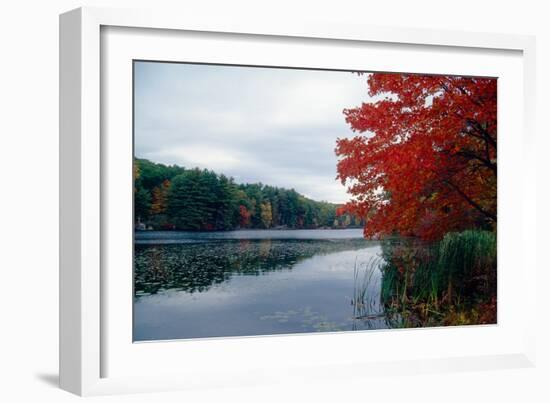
[
  {"x": 188, "y": 201},
  {"x": 142, "y": 204}
]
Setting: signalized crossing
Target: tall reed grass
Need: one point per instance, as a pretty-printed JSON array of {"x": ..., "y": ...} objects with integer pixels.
[
  {"x": 455, "y": 273},
  {"x": 365, "y": 300}
]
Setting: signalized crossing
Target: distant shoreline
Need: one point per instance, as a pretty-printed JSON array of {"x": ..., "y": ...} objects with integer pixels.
[{"x": 250, "y": 229}]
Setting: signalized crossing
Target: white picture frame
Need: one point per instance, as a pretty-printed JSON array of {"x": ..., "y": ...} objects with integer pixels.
[{"x": 96, "y": 356}]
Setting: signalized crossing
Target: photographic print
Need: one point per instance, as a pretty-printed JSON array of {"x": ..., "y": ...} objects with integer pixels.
[{"x": 272, "y": 200}]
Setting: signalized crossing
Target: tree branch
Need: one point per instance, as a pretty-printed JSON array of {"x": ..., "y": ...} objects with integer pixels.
[{"x": 470, "y": 201}]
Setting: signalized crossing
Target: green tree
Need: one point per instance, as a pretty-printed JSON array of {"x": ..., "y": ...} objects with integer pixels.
[
  {"x": 142, "y": 204},
  {"x": 225, "y": 204},
  {"x": 188, "y": 204}
]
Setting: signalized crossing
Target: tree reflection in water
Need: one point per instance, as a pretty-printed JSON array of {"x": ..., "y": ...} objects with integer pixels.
[{"x": 195, "y": 267}]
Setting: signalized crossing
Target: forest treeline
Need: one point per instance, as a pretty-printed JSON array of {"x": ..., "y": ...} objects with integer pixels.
[{"x": 172, "y": 197}]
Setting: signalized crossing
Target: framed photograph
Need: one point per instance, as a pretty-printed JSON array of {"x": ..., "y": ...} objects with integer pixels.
[{"x": 258, "y": 202}]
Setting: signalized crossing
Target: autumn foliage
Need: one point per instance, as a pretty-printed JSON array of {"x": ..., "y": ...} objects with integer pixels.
[
  {"x": 160, "y": 197},
  {"x": 423, "y": 161},
  {"x": 244, "y": 217}
]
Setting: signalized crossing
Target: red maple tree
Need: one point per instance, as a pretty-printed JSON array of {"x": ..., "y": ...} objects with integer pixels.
[
  {"x": 244, "y": 217},
  {"x": 424, "y": 160}
]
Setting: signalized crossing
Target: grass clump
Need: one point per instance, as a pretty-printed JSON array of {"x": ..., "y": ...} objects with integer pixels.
[{"x": 449, "y": 282}]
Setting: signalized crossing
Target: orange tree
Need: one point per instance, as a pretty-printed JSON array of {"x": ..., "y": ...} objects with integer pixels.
[{"x": 423, "y": 160}]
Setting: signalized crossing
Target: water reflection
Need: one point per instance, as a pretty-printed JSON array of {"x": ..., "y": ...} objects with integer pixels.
[
  {"x": 235, "y": 287},
  {"x": 194, "y": 267}
]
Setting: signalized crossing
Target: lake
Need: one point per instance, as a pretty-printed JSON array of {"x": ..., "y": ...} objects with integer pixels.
[{"x": 255, "y": 282}]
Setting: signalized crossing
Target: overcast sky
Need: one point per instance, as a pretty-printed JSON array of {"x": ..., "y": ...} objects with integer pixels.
[{"x": 275, "y": 126}]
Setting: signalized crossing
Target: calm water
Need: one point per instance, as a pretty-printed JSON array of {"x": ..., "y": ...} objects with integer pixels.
[{"x": 254, "y": 282}]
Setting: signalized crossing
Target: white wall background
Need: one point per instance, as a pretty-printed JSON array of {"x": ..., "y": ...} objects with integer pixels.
[{"x": 29, "y": 201}]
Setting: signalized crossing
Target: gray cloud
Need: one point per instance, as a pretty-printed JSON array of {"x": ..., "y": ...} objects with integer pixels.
[{"x": 276, "y": 126}]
